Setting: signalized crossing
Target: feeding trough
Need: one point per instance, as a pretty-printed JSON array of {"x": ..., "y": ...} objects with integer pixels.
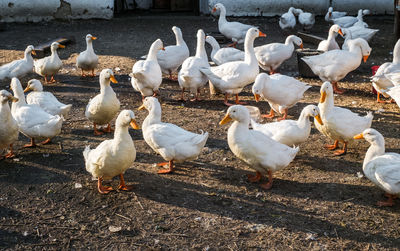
[{"x": 304, "y": 70}]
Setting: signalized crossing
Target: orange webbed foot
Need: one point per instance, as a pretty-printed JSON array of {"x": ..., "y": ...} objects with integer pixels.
[
  {"x": 254, "y": 178},
  {"x": 48, "y": 140},
  {"x": 125, "y": 187}
]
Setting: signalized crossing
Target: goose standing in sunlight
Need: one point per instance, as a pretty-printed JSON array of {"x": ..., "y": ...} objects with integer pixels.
[
  {"x": 259, "y": 151},
  {"x": 383, "y": 169},
  {"x": 49, "y": 65},
  {"x": 114, "y": 156},
  {"x": 223, "y": 55},
  {"x": 88, "y": 60},
  {"x": 19, "y": 68},
  {"x": 288, "y": 19}
]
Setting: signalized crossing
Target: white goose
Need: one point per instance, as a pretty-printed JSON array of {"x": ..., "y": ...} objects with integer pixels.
[
  {"x": 394, "y": 93},
  {"x": 32, "y": 120},
  {"x": 173, "y": 143},
  {"x": 114, "y": 156},
  {"x": 190, "y": 77},
  {"x": 223, "y": 55},
  {"x": 280, "y": 91},
  {"x": 233, "y": 30},
  {"x": 259, "y": 151},
  {"x": 290, "y": 132},
  {"x": 330, "y": 43},
  {"x": 348, "y": 21},
  {"x": 380, "y": 80},
  {"x": 46, "y": 100},
  {"x": 104, "y": 106},
  {"x": 334, "y": 65},
  {"x": 232, "y": 77},
  {"x": 49, "y": 65},
  {"x": 19, "y": 68},
  {"x": 173, "y": 56},
  {"x": 288, "y": 19},
  {"x": 271, "y": 56},
  {"x": 339, "y": 124},
  {"x": 383, "y": 169},
  {"x": 88, "y": 60},
  {"x": 360, "y": 30},
  {"x": 306, "y": 19},
  {"x": 8, "y": 125},
  {"x": 334, "y": 14},
  {"x": 146, "y": 75}
]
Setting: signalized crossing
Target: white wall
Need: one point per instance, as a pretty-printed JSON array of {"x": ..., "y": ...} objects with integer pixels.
[{"x": 39, "y": 10}]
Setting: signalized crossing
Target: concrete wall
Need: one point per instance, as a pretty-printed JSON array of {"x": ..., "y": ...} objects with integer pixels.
[{"x": 44, "y": 10}]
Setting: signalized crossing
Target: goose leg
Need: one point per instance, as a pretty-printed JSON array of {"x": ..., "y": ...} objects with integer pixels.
[
  {"x": 169, "y": 170},
  {"x": 197, "y": 96},
  {"x": 336, "y": 88},
  {"x": 238, "y": 102},
  {"x": 83, "y": 73},
  {"x": 182, "y": 95},
  {"x": 48, "y": 140},
  {"x": 343, "y": 151},
  {"x": 334, "y": 146},
  {"x": 270, "y": 115},
  {"x": 93, "y": 74},
  {"x": 284, "y": 115},
  {"x": 232, "y": 44},
  {"x": 108, "y": 129},
  {"x": 96, "y": 132},
  {"x": 32, "y": 144},
  {"x": 45, "y": 79},
  {"x": 102, "y": 189},
  {"x": 10, "y": 154},
  {"x": 268, "y": 185},
  {"x": 122, "y": 185},
  {"x": 254, "y": 178},
  {"x": 226, "y": 100},
  {"x": 388, "y": 203},
  {"x": 52, "y": 80}
]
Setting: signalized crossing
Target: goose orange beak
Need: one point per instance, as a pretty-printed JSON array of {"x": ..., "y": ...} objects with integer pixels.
[
  {"x": 94, "y": 38},
  {"x": 261, "y": 34},
  {"x": 301, "y": 46},
  {"x": 112, "y": 78},
  {"x": 214, "y": 10},
  {"x": 225, "y": 120},
  {"x": 163, "y": 48},
  {"x": 257, "y": 97},
  {"x": 27, "y": 89},
  {"x": 365, "y": 58},
  {"x": 359, "y": 136},
  {"x": 33, "y": 53},
  {"x": 141, "y": 107},
  {"x": 61, "y": 46},
  {"x": 323, "y": 97},
  {"x": 340, "y": 32},
  {"x": 134, "y": 125},
  {"x": 13, "y": 99},
  {"x": 318, "y": 118}
]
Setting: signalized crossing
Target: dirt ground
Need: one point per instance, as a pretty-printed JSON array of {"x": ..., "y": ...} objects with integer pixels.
[{"x": 317, "y": 203}]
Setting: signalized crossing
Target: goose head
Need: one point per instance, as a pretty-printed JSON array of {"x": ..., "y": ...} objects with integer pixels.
[
  {"x": 371, "y": 135},
  {"x": 258, "y": 85},
  {"x": 237, "y": 113},
  {"x": 330, "y": 10},
  {"x": 177, "y": 31},
  {"x": 5, "y": 96},
  {"x": 34, "y": 85},
  {"x": 292, "y": 10},
  {"x": 326, "y": 90},
  {"x": 126, "y": 118},
  {"x": 150, "y": 104},
  {"x": 90, "y": 38},
  {"x": 336, "y": 29},
  {"x": 158, "y": 45},
  {"x": 30, "y": 50},
  {"x": 253, "y": 33},
  {"x": 201, "y": 34},
  {"x": 296, "y": 40},
  {"x": 108, "y": 75},
  {"x": 313, "y": 111},
  {"x": 211, "y": 40},
  {"x": 218, "y": 7},
  {"x": 54, "y": 46},
  {"x": 365, "y": 48}
]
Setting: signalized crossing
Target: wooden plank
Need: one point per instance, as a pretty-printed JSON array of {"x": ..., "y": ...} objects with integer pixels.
[
  {"x": 309, "y": 38},
  {"x": 44, "y": 48}
]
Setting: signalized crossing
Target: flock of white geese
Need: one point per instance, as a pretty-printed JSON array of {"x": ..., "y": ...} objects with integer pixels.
[{"x": 266, "y": 147}]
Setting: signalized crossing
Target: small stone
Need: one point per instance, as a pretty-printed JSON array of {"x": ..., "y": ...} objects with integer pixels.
[
  {"x": 259, "y": 195},
  {"x": 156, "y": 241},
  {"x": 78, "y": 185},
  {"x": 311, "y": 236},
  {"x": 380, "y": 110},
  {"x": 224, "y": 159},
  {"x": 16, "y": 160},
  {"x": 46, "y": 155},
  {"x": 360, "y": 175},
  {"x": 114, "y": 229},
  {"x": 117, "y": 69},
  {"x": 197, "y": 219},
  {"x": 25, "y": 233},
  {"x": 354, "y": 102}
]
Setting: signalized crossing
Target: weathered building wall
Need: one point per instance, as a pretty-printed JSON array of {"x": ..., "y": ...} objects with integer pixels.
[{"x": 42, "y": 10}]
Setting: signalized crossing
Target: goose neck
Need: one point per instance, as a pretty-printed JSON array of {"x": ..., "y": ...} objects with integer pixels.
[
  {"x": 377, "y": 148},
  {"x": 179, "y": 38},
  {"x": 152, "y": 53},
  {"x": 89, "y": 45},
  {"x": 154, "y": 117},
  {"x": 396, "y": 53},
  {"x": 249, "y": 54},
  {"x": 303, "y": 119},
  {"x": 222, "y": 16},
  {"x": 200, "y": 49}
]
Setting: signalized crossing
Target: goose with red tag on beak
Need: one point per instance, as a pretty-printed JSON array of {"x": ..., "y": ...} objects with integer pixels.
[
  {"x": 380, "y": 167},
  {"x": 8, "y": 125},
  {"x": 256, "y": 149},
  {"x": 104, "y": 106},
  {"x": 49, "y": 66},
  {"x": 114, "y": 156},
  {"x": 88, "y": 60},
  {"x": 334, "y": 65}
]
